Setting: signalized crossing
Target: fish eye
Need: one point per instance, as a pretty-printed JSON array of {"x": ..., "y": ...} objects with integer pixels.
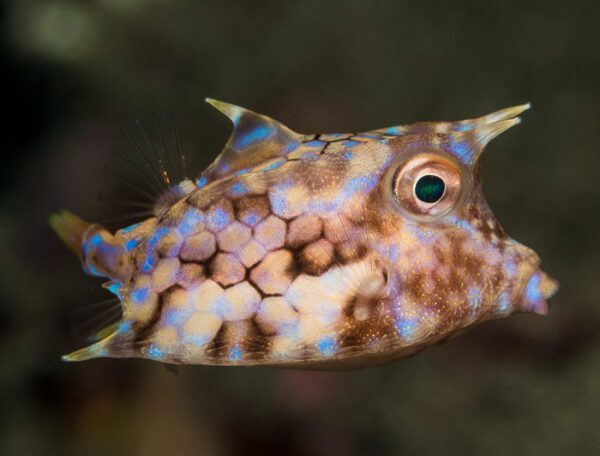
[
  {"x": 427, "y": 186},
  {"x": 430, "y": 188}
]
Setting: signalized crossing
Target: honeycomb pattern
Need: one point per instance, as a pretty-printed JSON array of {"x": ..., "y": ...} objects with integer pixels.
[{"x": 253, "y": 259}]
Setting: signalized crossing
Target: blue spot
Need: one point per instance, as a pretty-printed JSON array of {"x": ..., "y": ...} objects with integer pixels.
[
  {"x": 314, "y": 143},
  {"x": 327, "y": 346},
  {"x": 140, "y": 295},
  {"x": 222, "y": 306},
  {"x": 198, "y": 339},
  {"x": 93, "y": 270},
  {"x": 158, "y": 235},
  {"x": 239, "y": 189},
  {"x": 291, "y": 148},
  {"x": 361, "y": 184},
  {"x": 463, "y": 224},
  {"x": 394, "y": 131},
  {"x": 94, "y": 241},
  {"x": 156, "y": 353},
  {"x": 251, "y": 219},
  {"x": 369, "y": 136},
  {"x": 351, "y": 143},
  {"x": 236, "y": 354},
  {"x": 406, "y": 328},
  {"x": 462, "y": 150},
  {"x": 464, "y": 127},
  {"x": 130, "y": 228},
  {"x": 511, "y": 267},
  {"x": 504, "y": 302},
  {"x": 201, "y": 182},
  {"x": 257, "y": 134},
  {"x": 125, "y": 326},
  {"x": 274, "y": 165},
  {"x": 175, "y": 318},
  {"x": 132, "y": 244},
  {"x": 475, "y": 297},
  {"x": 348, "y": 155},
  {"x": 219, "y": 218},
  {"x": 279, "y": 203},
  {"x": 243, "y": 171},
  {"x": 395, "y": 252},
  {"x": 279, "y": 197},
  {"x": 532, "y": 292},
  {"x": 310, "y": 156},
  {"x": 115, "y": 288},
  {"x": 149, "y": 263},
  {"x": 191, "y": 219}
]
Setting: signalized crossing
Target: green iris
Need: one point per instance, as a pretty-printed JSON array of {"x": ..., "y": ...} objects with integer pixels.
[{"x": 430, "y": 189}]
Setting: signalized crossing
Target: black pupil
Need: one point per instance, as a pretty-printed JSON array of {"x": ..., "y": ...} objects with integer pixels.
[{"x": 430, "y": 189}]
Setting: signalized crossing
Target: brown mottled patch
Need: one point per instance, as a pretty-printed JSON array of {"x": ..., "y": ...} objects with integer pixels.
[
  {"x": 144, "y": 332},
  {"x": 272, "y": 273},
  {"x": 217, "y": 212},
  {"x": 257, "y": 344},
  {"x": 374, "y": 219},
  {"x": 303, "y": 230},
  {"x": 350, "y": 251},
  {"x": 199, "y": 199},
  {"x": 485, "y": 229},
  {"x": 226, "y": 269},
  {"x": 499, "y": 231},
  {"x": 252, "y": 209},
  {"x": 367, "y": 320},
  {"x": 190, "y": 274},
  {"x": 217, "y": 348},
  {"x": 315, "y": 258}
]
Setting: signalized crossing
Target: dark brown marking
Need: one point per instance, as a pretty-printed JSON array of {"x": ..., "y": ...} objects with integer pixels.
[
  {"x": 314, "y": 259},
  {"x": 252, "y": 207},
  {"x": 257, "y": 343},
  {"x": 217, "y": 348},
  {"x": 359, "y": 332},
  {"x": 144, "y": 332},
  {"x": 349, "y": 251}
]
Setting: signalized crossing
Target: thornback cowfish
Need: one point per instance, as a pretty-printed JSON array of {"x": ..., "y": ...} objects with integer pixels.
[{"x": 313, "y": 251}]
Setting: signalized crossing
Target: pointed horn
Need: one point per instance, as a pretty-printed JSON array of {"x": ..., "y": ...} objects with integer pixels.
[
  {"x": 503, "y": 114},
  {"x": 488, "y": 132},
  {"x": 474, "y": 134},
  {"x": 232, "y": 111}
]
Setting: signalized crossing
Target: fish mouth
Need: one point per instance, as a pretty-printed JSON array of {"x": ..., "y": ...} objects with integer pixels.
[{"x": 540, "y": 288}]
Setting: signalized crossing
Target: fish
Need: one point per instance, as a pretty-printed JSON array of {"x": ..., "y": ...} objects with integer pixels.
[{"x": 317, "y": 251}]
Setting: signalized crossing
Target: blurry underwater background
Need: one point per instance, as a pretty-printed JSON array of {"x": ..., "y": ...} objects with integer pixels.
[{"x": 76, "y": 72}]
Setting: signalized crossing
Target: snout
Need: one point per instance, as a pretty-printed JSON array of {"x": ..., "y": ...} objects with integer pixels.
[{"x": 540, "y": 288}]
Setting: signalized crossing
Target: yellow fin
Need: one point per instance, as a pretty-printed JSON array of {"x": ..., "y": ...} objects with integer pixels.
[{"x": 69, "y": 228}]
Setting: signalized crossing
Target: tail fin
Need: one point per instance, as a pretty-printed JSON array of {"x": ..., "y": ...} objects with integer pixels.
[{"x": 70, "y": 229}]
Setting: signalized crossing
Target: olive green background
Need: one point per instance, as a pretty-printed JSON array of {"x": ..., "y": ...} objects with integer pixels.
[{"x": 75, "y": 72}]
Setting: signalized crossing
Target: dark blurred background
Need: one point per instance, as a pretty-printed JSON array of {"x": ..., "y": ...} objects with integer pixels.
[{"x": 75, "y": 72}]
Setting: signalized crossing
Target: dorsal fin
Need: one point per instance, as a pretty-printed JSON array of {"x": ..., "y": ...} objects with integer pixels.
[
  {"x": 255, "y": 139},
  {"x": 148, "y": 163}
]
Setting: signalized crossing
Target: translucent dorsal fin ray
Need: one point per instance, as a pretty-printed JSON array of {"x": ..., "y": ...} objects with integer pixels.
[
  {"x": 145, "y": 166},
  {"x": 255, "y": 139},
  {"x": 470, "y": 137}
]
